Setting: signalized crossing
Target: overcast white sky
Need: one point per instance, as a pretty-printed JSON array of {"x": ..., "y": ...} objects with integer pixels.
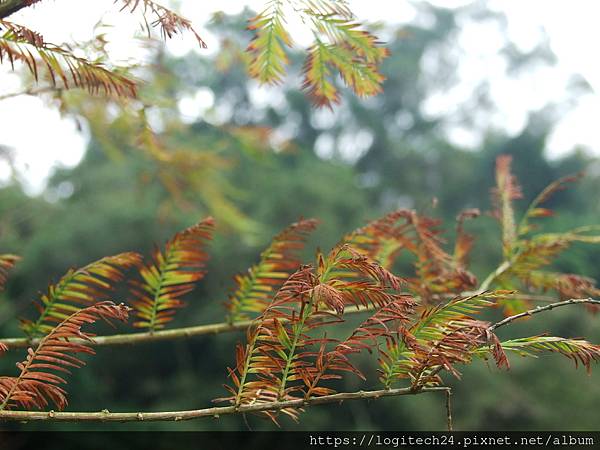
[{"x": 42, "y": 139}]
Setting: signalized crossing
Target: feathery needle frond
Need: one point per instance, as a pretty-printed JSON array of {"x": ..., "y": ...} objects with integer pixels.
[
  {"x": 579, "y": 351},
  {"x": 170, "y": 275},
  {"x": 256, "y": 288},
  {"x": 59, "y": 64},
  {"x": 38, "y": 384},
  {"x": 7, "y": 262},
  {"x": 281, "y": 357},
  {"x": 79, "y": 288},
  {"x": 268, "y": 45}
]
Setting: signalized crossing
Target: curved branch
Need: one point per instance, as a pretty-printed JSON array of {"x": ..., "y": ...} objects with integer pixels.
[
  {"x": 106, "y": 416},
  {"x": 539, "y": 309}
]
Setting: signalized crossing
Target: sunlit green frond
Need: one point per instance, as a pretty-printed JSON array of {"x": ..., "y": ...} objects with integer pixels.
[
  {"x": 170, "y": 275},
  {"x": 256, "y": 288},
  {"x": 361, "y": 76},
  {"x": 338, "y": 8},
  {"x": 268, "y": 45},
  {"x": 79, "y": 288},
  {"x": 62, "y": 67},
  {"x": 345, "y": 32},
  {"x": 341, "y": 46},
  {"x": 317, "y": 76}
]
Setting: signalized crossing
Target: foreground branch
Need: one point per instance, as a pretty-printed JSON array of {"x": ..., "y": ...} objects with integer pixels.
[
  {"x": 162, "y": 335},
  {"x": 539, "y": 309},
  {"x": 216, "y": 412}
]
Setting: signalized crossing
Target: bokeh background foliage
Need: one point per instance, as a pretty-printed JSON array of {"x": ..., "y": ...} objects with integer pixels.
[{"x": 258, "y": 165}]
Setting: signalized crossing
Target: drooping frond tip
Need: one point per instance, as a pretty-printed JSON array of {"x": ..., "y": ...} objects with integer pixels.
[
  {"x": 325, "y": 59},
  {"x": 6, "y": 263},
  {"x": 256, "y": 288},
  {"x": 59, "y": 65},
  {"x": 37, "y": 383},
  {"x": 344, "y": 46},
  {"x": 267, "y": 48},
  {"x": 79, "y": 288},
  {"x": 341, "y": 47},
  {"x": 170, "y": 275}
]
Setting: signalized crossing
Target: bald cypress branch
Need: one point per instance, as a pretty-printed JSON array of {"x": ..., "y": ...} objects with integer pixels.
[{"x": 216, "y": 412}]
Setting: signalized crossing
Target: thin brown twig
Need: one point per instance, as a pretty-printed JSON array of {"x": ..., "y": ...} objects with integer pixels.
[
  {"x": 539, "y": 309},
  {"x": 216, "y": 412}
]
